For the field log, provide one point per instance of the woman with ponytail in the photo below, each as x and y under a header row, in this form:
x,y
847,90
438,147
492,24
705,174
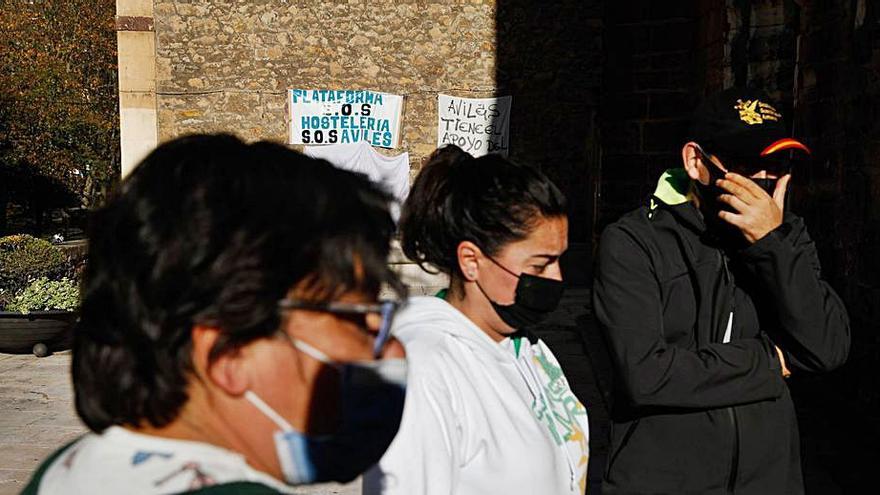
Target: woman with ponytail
x,y
488,409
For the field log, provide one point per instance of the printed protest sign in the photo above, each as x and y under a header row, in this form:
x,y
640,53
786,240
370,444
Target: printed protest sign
x,y
476,125
323,116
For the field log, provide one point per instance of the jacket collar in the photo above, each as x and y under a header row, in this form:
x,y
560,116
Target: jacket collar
x,y
674,187
675,193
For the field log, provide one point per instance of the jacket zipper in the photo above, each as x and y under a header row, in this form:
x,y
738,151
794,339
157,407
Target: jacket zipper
x,y
734,456
726,270
734,459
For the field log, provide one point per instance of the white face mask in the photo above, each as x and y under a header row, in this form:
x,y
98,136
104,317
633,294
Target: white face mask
x,y
372,396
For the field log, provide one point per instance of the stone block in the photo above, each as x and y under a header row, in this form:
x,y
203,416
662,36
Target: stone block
x,y
134,8
137,61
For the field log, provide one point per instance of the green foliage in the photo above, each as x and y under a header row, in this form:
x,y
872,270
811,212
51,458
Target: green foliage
x,y
43,295
58,96
24,258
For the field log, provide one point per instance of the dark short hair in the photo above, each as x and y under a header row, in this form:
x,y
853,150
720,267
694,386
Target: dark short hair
x,y
211,231
489,201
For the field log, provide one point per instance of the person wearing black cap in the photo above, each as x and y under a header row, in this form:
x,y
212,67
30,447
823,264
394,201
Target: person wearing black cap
x,y
707,296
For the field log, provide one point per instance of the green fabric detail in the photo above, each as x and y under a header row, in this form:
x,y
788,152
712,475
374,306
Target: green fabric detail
x,y
558,409
238,487
517,343
33,485
673,188
442,293
553,372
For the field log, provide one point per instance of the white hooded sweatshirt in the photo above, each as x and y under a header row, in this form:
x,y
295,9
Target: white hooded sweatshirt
x,y
481,416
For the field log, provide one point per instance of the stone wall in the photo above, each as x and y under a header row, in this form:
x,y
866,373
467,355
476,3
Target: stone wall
x,y
224,65
227,65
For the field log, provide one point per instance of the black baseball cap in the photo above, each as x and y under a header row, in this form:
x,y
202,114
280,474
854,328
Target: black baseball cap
x,y
741,124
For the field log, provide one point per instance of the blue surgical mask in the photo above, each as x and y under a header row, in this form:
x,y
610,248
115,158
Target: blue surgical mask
x,y
372,397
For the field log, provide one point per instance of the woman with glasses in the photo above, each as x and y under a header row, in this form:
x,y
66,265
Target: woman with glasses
x,y
230,338
488,409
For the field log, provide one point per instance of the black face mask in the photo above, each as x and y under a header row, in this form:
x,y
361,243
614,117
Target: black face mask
x,y
536,297
768,185
709,193
718,232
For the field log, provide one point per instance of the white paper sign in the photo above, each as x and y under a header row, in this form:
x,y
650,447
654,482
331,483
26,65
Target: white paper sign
x,y
324,116
476,125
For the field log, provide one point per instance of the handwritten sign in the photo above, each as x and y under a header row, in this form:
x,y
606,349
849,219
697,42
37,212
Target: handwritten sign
x,y
476,125
324,116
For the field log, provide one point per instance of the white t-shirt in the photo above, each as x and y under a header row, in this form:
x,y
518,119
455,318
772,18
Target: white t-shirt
x,y
122,461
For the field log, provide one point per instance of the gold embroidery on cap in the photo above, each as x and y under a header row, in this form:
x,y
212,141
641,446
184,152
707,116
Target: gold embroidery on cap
x,y
756,112
769,112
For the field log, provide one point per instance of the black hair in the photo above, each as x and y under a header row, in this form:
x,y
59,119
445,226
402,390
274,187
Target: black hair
x,y
211,231
489,201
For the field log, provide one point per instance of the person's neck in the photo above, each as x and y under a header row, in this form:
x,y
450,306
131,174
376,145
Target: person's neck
x,y
471,302
194,425
183,427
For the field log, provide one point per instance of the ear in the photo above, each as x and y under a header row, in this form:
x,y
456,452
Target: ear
x,y
468,255
227,372
690,158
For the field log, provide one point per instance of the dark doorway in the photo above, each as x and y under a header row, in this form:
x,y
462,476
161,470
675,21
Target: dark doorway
x,y
550,61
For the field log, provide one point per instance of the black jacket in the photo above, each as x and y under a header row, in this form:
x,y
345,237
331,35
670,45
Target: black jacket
x,y
696,410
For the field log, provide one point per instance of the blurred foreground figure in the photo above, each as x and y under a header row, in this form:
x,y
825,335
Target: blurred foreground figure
x,y
231,340
710,295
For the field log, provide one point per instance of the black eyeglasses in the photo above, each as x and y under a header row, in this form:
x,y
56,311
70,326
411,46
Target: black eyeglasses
x,y
385,309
